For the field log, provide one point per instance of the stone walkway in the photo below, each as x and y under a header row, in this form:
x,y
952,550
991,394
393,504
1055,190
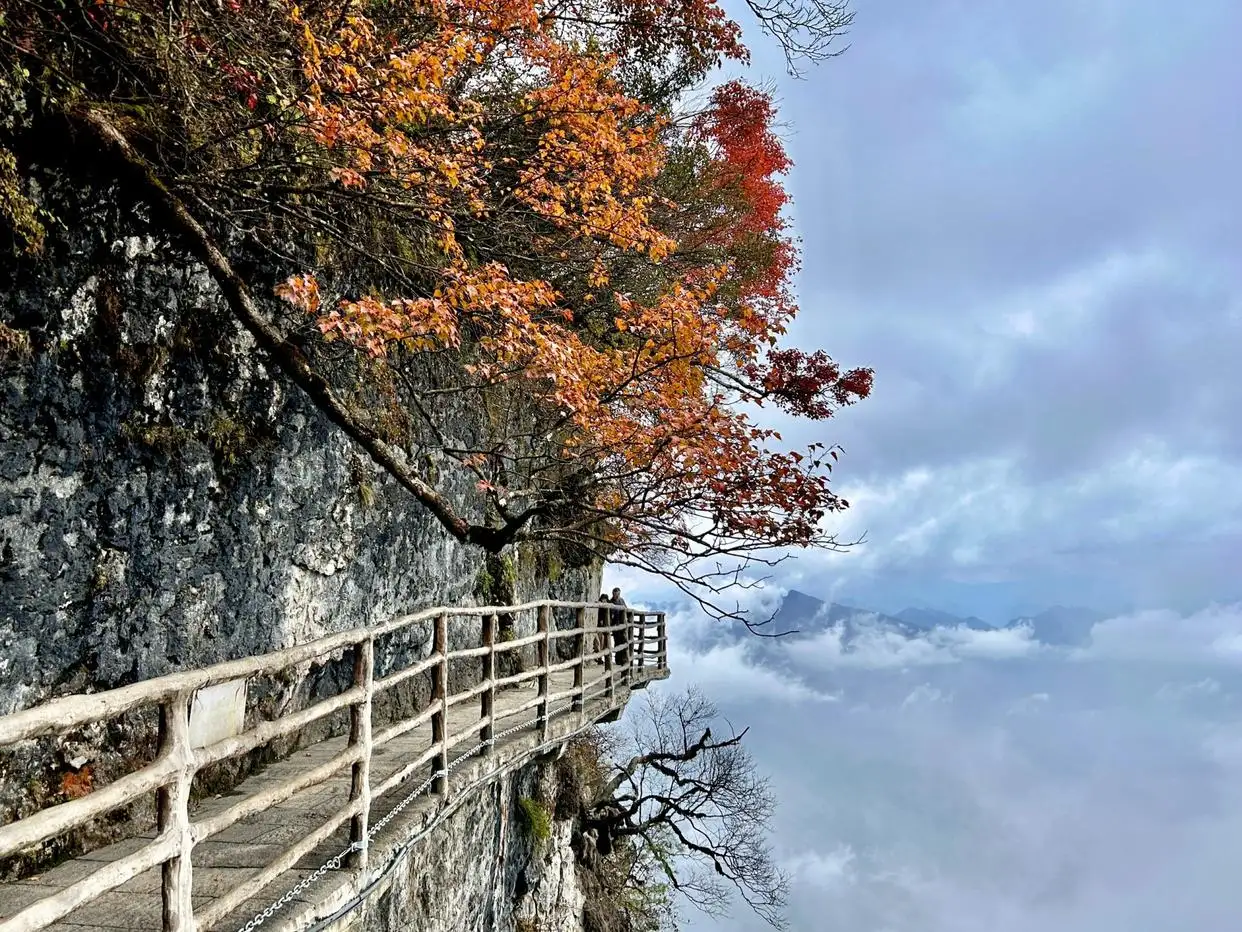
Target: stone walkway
x,y
228,859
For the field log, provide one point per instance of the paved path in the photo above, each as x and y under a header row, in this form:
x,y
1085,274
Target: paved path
x,y
226,860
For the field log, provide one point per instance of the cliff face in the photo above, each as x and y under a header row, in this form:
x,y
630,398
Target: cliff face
x,y
502,861
166,502
515,855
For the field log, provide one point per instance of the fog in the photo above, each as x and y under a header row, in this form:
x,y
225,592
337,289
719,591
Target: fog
x,y
969,781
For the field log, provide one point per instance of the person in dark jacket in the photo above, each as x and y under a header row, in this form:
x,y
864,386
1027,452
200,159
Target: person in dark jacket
x,y
602,619
621,636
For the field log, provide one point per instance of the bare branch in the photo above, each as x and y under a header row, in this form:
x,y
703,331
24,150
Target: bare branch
x,y
282,353
695,806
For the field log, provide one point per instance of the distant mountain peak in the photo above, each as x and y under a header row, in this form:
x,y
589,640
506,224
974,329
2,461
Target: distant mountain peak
x,y
796,597
806,614
928,618
1062,625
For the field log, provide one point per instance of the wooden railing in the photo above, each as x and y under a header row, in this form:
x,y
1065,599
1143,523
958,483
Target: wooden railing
x,y
171,773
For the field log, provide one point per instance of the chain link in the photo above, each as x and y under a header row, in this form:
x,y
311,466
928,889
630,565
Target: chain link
x,y
334,863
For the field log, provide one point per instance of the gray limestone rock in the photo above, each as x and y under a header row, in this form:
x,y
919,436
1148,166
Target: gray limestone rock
x,y
167,502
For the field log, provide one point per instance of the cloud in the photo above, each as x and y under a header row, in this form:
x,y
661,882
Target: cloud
x,y
1210,636
999,644
730,669
1206,689
1031,234
1223,746
880,647
977,780
925,694
971,801
1031,704
824,870
1152,525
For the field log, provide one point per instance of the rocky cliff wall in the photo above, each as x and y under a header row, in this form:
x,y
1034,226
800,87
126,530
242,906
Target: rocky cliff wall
x,y
167,502
502,862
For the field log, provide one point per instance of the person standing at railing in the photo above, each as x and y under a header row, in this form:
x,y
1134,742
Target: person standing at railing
x,y
600,641
622,636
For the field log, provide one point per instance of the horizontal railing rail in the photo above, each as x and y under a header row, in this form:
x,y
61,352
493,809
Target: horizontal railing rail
x,y
631,650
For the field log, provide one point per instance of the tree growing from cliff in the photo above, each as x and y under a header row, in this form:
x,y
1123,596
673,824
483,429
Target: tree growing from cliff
x,y
687,809
484,206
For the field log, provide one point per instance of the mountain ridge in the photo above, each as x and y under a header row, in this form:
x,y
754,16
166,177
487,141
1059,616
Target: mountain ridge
x,y
803,614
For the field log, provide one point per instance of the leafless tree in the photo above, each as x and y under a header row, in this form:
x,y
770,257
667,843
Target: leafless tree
x,y
692,806
805,29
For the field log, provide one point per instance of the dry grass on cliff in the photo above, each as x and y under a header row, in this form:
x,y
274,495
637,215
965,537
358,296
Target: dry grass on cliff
x,y
583,770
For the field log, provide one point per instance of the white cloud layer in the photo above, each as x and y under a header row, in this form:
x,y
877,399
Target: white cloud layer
x,y
884,648
727,668
1213,635
973,783
822,870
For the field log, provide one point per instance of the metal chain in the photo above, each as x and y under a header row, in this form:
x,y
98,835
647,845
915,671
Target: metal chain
x,y
334,863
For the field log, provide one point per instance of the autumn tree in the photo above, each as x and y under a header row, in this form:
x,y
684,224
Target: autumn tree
x,y
475,205
686,810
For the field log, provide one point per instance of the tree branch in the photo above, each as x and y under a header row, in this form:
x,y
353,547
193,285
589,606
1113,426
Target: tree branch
x,y
285,356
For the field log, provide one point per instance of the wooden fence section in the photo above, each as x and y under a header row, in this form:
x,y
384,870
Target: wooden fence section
x,y
638,654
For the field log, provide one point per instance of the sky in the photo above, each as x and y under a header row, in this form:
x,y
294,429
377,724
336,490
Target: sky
x,y
1027,218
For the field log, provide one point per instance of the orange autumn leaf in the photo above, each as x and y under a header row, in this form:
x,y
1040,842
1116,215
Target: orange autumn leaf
x,y
532,225
75,784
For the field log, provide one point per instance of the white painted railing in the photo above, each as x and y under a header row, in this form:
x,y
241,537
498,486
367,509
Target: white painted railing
x,y
170,775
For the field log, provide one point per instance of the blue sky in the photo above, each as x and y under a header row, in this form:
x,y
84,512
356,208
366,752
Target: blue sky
x,y
1026,216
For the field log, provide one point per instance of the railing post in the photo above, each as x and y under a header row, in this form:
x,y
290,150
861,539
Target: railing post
x,y
662,640
626,648
610,686
360,736
640,638
439,698
579,699
487,701
173,814
545,658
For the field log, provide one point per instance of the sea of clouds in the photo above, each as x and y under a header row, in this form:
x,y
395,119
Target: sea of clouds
x,y
980,781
